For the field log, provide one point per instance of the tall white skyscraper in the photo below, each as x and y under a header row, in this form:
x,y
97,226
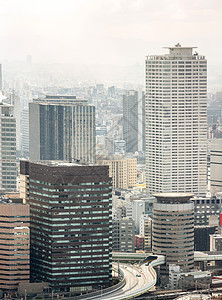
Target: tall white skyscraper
x,y
176,121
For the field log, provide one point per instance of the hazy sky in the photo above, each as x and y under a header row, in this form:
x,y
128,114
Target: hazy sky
x,y
107,31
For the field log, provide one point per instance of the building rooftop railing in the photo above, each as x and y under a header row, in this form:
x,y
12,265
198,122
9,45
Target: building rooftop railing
x,y
175,57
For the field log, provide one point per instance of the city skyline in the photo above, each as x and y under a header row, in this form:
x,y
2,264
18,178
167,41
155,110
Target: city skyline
x,y
110,148
107,32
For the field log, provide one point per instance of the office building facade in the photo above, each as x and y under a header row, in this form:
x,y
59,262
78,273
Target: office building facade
x,y
123,235
71,225
205,209
8,168
176,122
173,230
15,243
62,128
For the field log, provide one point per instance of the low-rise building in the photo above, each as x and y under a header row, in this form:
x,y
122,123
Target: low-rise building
x,y
188,280
139,242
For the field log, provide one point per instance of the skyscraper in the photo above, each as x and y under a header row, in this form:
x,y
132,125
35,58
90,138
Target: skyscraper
x,y
130,120
176,121
70,224
62,128
25,130
8,169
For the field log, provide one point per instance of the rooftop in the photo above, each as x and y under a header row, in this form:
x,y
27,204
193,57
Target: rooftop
x,y
173,197
60,99
178,52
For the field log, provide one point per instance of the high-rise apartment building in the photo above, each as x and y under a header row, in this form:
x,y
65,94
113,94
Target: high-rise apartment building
x,y
70,224
62,128
176,121
8,169
14,240
173,230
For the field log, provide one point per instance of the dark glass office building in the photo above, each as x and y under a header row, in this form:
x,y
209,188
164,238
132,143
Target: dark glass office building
x,y
62,128
70,220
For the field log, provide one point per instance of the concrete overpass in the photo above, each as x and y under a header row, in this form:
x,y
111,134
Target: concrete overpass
x,y
207,256
198,256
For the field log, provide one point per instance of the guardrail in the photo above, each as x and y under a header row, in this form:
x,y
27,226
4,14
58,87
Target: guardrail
x,y
159,261
103,292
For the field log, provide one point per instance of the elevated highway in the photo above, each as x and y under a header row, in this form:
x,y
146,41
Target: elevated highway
x,y
139,280
124,256
198,256
207,256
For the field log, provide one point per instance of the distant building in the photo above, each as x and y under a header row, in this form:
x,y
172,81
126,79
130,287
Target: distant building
x,y
130,120
109,145
173,230
13,98
176,122
120,147
122,170
71,229
8,168
25,130
216,167
14,240
141,121
0,77
123,235
62,128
